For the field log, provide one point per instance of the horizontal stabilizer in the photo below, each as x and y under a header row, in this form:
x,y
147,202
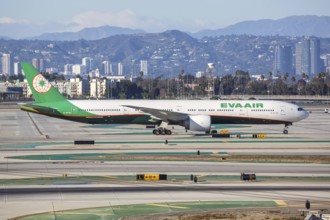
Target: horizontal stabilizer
x,y
40,109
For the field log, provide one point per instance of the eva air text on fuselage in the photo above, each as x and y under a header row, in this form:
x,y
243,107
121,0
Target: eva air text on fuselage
x,y
241,105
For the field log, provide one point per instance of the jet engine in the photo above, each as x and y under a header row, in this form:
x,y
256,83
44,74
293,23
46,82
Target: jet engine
x,y
198,123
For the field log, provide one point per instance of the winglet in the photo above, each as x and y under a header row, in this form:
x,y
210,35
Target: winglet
x,y
42,90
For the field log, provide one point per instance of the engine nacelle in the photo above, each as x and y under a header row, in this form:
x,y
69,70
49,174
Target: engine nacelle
x,y
198,123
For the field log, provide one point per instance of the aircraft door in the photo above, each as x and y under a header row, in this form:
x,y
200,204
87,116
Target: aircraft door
x,y
242,112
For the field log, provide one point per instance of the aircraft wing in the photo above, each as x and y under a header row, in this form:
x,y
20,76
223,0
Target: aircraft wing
x,y
163,115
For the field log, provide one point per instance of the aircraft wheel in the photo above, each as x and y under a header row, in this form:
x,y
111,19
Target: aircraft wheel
x,y
155,132
285,131
168,132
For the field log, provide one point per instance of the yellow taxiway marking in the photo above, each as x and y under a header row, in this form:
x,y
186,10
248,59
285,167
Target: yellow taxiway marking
x,y
169,206
111,177
281,203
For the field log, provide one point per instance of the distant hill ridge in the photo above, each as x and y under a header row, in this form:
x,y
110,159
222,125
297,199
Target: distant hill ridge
x,y
306,25
94,33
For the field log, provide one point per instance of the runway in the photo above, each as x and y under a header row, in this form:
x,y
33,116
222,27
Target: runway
x,y
26,135
44,169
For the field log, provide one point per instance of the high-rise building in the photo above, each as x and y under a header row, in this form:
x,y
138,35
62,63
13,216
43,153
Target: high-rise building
x,y
6,64
106,68
315,56
79,69
35,63
308,57
17,68
283,60
303,57
144,67
110,69
41,65
88,62
327,60
120,69
67,69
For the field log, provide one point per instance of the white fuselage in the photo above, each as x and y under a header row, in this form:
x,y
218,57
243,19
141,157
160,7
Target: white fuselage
x,y
251,109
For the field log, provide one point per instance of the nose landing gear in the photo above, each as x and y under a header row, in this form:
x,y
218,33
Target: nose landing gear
x,y
285,131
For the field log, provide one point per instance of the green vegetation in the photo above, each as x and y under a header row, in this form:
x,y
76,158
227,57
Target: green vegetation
x,y
118,212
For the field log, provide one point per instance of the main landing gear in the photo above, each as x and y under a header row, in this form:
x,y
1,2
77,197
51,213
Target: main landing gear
x,y
162,131
285,131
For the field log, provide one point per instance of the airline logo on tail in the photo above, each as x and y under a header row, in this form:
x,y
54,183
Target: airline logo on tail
x,y
40,84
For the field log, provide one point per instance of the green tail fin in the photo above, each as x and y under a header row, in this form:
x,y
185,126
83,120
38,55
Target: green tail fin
x,y
42,90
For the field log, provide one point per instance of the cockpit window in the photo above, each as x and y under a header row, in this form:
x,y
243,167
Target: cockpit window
x,y
300,109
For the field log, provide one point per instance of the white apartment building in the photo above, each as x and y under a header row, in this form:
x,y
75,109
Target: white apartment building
x,y
17,68
106,68
67,69
79,69
144,67
98,88
61,86
88,63
6,64
75,88
120,69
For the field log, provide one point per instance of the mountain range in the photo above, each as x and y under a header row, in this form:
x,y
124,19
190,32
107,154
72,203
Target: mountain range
x,y
95,33
167,53
294,26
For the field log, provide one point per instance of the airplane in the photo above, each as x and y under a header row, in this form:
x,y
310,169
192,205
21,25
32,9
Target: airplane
x,y
194,115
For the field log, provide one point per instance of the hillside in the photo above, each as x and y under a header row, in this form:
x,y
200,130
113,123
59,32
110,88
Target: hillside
x,y
290,26
88,34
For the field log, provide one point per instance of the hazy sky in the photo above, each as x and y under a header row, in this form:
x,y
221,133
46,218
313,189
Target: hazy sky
x,y
149,15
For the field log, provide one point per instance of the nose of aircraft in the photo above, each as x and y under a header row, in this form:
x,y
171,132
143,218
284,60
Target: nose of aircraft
x,y
304,114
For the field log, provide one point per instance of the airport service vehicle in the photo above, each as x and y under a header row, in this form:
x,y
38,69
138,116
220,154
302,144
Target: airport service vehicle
x,y
194,115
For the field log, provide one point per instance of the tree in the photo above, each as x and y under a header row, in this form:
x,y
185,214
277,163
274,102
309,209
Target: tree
x,y
285,77
301,87
241,79
270,75
257,88
304,76
228,84
279,87
271,82
317,86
